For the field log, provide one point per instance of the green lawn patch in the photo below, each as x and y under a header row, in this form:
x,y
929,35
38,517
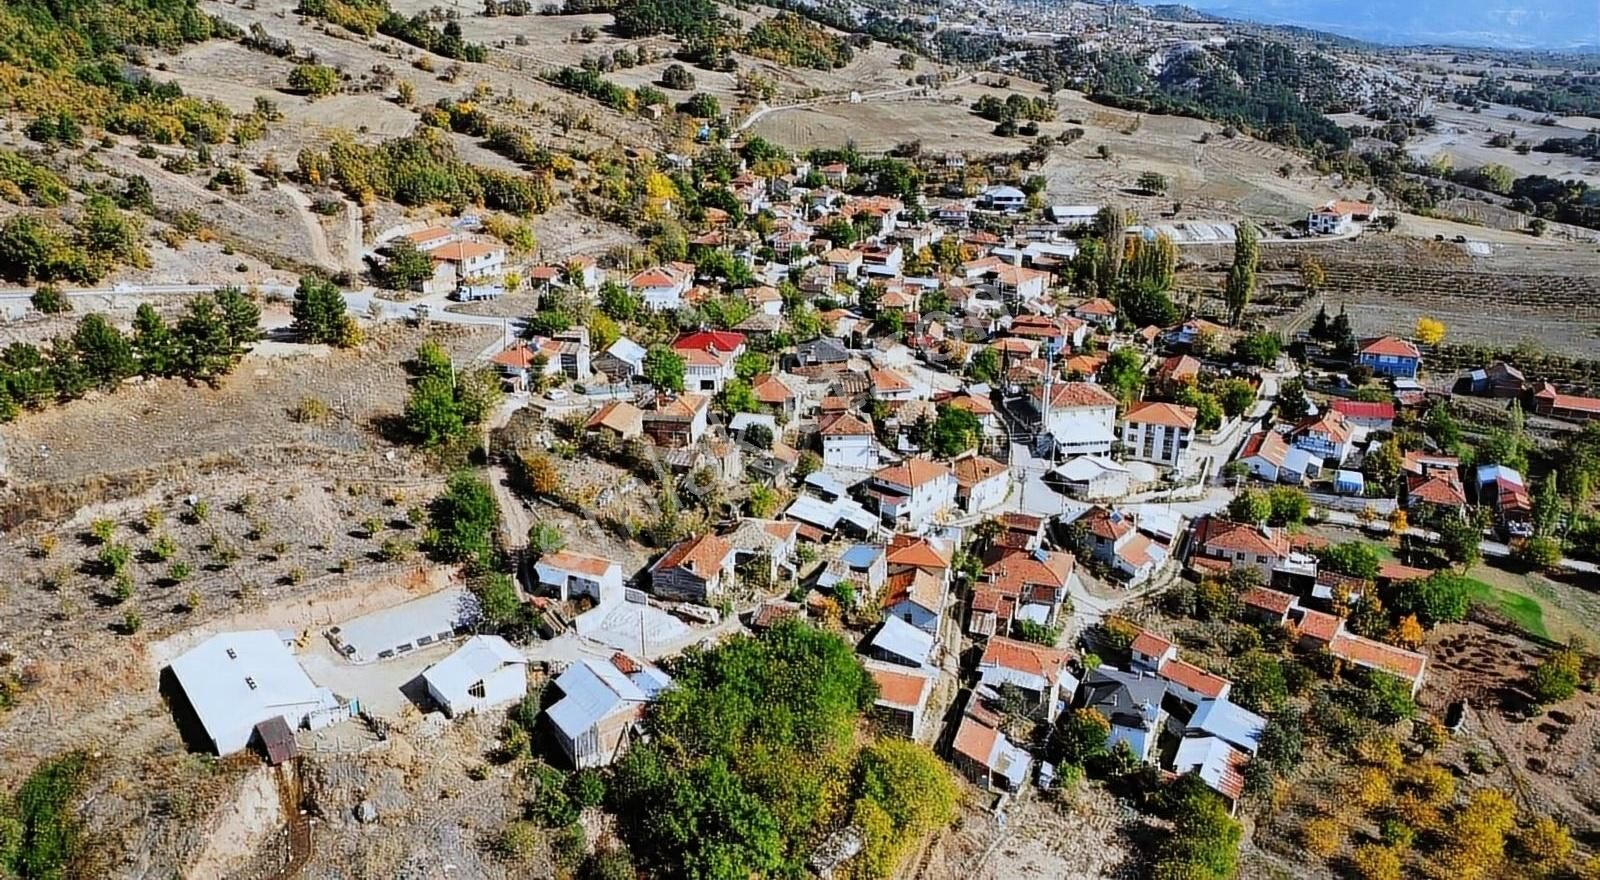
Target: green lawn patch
x,y
1524,611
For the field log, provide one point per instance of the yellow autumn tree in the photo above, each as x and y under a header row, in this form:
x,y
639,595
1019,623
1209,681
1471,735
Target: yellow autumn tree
x,y
1398,522
1322,836
1430,331
1408,632
660,195
1475,838
1375,861
1369,788
1543,846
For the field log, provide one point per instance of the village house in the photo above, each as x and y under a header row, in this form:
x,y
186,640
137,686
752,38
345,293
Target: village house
x,y
1325,631
1092,478
1265,548
1547,401
1338,217
235,683
1131,704
913,492
601,705
773,541
983,753
696,570
1265,453
848,442
1099,311
663,287
483,673
903,693
1390,356
1006,199
903,644
1033,583
1116,541
1038,672
1327,436
1176,372
1435,492
1371,415
1080,418
890,385
622,361
916,596
618,420
1159,433
677,421
981,483
1219,765
570,574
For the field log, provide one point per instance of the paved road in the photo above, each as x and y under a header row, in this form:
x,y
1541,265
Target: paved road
x,y
1496,549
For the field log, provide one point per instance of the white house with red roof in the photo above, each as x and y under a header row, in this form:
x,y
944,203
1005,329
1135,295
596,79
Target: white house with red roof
x,y
1329,436
913,492
1337,217
1160,433
1039,672
1080,417
847,442
663,287
569,573
1374,415
981,483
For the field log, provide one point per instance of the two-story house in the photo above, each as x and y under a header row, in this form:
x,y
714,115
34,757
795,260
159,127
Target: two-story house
x,y
696,569
847,442
663,287
1080,418
677,421
981,483
1159,433
1390,356
1327,436
913,492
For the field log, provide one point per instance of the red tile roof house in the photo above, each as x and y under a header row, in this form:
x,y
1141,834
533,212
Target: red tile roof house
x,y
913,492
1265,453
1318,630
1035,581
677,421
1149,651
1328,436
694,570
1547,401
916,596
903,694
981,483
1160,433
1266,605
1245,545
1177,371
1192,684
569,573
847,441
1039,672
1440,490
983,754
1390,356
663,287
1374,416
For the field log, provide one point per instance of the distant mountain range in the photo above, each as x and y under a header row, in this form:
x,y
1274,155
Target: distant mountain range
x,y
1505,24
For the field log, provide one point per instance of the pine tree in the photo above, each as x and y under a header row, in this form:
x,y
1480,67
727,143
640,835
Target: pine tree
x,y
205,350
320,315
103,351
241,316
1319,325
67,372
152,343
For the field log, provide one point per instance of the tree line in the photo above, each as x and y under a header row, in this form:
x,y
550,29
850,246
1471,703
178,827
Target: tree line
x,y
203,345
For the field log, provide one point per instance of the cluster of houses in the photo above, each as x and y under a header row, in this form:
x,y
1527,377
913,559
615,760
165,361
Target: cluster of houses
x,y
878,517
